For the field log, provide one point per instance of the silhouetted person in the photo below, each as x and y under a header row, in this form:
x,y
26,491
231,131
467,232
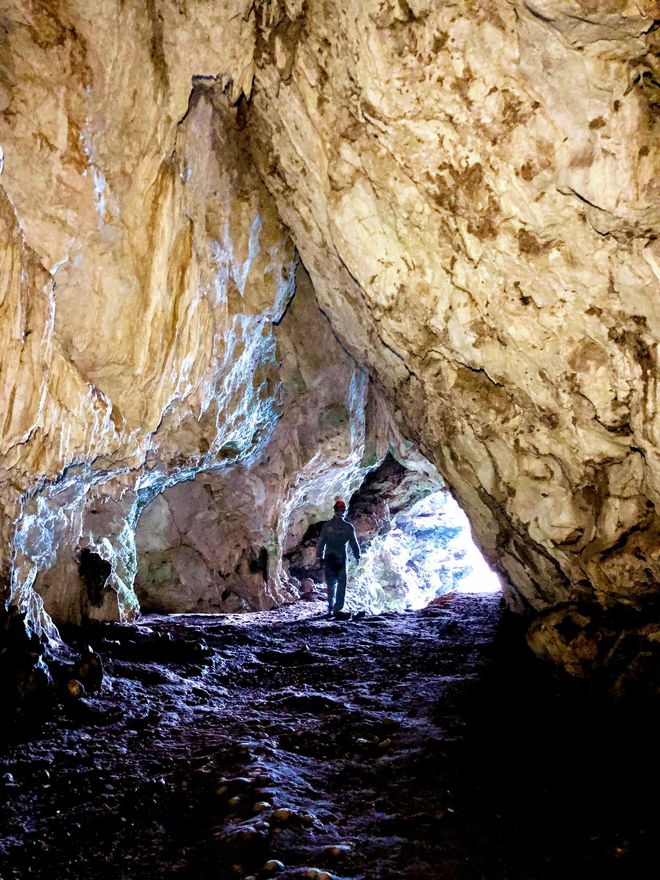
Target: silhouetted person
x,y
331,551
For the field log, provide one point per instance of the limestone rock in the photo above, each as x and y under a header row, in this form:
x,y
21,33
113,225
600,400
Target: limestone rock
x,y
389,489
143,267
618,650
216,543
386,490
473,190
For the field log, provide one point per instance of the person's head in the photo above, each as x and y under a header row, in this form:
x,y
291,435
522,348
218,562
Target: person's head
x,y
340,507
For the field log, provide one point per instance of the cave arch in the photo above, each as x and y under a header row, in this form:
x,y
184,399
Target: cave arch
x,y
483,250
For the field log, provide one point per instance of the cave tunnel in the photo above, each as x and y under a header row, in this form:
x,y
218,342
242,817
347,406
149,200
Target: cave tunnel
x,y
260,255
416,548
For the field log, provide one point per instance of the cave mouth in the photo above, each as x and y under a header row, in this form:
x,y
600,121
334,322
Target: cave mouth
x,y
427,553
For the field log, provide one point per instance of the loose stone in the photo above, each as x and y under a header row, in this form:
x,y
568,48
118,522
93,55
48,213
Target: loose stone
x,y
75,689
260,806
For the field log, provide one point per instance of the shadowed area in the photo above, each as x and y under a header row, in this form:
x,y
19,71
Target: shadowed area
x,y
416,745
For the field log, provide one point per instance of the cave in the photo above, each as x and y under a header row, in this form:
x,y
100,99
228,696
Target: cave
x,y
258,256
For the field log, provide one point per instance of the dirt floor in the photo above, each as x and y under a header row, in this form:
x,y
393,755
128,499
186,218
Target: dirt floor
x,y
419,745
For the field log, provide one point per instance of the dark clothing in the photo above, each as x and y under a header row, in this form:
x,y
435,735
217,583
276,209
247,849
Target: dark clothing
x,y
335,581
335,535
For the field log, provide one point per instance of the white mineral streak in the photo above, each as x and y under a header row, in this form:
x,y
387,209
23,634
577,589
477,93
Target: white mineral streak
x,y
145,359
216,543
473,190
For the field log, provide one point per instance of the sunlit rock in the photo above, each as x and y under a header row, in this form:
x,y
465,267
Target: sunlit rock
x,y
473,190
401,479
216,543
427,552
389,489
143,268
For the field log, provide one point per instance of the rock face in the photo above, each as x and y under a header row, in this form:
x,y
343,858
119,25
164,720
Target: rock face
x,y
386,490
471,187
143,267
216,543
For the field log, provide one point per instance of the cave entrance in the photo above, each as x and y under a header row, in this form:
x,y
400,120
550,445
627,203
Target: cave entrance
x,y
199,553
427,553
416,543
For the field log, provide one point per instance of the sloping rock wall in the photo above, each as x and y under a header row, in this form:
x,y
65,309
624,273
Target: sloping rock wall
x,y
473,189
142,270
216,543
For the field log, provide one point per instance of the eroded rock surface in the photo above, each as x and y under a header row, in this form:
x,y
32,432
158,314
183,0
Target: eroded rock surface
x,y
473,189
146,270
144,267
386,490
216,543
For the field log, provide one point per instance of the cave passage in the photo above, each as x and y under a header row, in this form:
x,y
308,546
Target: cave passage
x,y
427,553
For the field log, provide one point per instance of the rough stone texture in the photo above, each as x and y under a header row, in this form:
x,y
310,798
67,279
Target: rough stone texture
x,y
472,188
617,649
216,543
385,491
396,747
142,268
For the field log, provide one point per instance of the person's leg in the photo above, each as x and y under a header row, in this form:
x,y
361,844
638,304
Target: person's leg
x,y
341,590
331,584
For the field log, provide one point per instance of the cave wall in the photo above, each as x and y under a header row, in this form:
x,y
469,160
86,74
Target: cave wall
x,y
143,266
473,189
216,543
145,275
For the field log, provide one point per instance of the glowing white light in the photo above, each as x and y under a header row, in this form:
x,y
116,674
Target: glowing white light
x,y
100,185
99,191
428,552
58,265
240,273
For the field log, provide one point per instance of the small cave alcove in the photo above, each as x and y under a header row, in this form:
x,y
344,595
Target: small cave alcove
x,y
94,572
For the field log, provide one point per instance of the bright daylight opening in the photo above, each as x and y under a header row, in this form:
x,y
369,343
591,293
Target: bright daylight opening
x,y
428,552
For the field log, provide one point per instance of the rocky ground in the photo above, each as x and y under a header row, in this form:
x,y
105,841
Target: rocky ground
x,y
418,745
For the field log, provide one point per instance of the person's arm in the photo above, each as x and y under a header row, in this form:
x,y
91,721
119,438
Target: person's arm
x,y
355,547
323,540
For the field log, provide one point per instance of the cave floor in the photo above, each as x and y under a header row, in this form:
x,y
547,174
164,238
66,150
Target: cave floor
x,y
418,745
